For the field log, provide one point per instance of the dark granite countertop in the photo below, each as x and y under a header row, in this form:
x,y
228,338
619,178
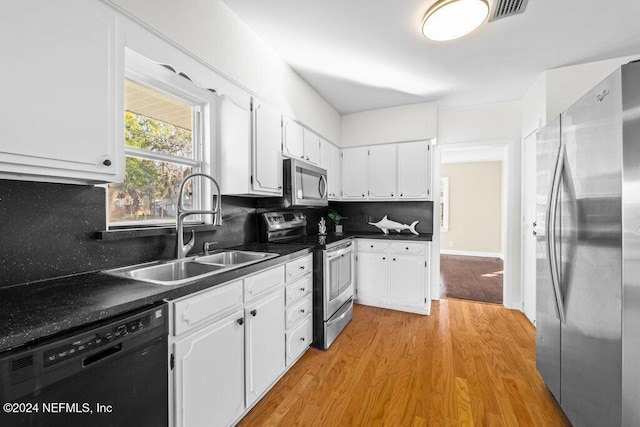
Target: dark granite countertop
x,y
37,310
391,236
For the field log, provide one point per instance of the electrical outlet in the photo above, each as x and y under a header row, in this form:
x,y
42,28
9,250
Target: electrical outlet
x,y
450,242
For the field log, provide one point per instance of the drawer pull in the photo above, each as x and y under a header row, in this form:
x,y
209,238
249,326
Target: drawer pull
x,y
371,245
240,321
394,259
302,339
254,313
301,267
302,289
302,310
383,258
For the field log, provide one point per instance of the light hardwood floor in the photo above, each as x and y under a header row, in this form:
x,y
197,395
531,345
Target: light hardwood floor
x,y
465,364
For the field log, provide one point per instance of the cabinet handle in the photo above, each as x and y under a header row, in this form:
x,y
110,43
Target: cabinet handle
x,y
391,194
371,245
302,157
407,248
302,339
303,289
279,187
240,321
254,312
535,233
307,157
401,194
302,310
107,162
362,194
301,267
383,258
394,259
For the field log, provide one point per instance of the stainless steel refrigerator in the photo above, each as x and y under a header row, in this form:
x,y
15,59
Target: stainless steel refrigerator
x,y
588,254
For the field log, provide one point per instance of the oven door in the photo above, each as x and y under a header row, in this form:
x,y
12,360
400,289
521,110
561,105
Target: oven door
x,y
338,277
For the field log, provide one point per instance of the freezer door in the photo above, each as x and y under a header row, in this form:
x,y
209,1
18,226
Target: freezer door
x,y
548,323
591,257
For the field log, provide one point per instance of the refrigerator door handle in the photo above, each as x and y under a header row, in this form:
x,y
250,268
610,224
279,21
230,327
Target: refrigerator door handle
x,y
552,253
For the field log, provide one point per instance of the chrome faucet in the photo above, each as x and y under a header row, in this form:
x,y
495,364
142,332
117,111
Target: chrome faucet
x,y
183,249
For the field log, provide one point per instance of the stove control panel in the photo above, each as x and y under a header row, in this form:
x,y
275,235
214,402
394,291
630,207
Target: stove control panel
x,y
290,219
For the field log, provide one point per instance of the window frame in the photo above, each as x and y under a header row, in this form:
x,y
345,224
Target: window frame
x,y
203,101
444,201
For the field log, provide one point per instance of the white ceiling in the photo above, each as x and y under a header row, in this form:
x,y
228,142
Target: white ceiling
x,y
368,54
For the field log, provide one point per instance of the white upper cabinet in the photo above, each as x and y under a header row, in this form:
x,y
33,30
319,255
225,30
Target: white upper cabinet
x,y
414,171
267,139
382,172
311,147
355,173
62,91
250,157
292,139
330,160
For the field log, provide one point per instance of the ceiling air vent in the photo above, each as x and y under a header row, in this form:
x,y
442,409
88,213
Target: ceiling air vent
x,y
505,8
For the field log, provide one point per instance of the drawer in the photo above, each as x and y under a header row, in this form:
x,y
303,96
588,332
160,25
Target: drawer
x,y
408,248
299,288
299,311
300,266
372,246
298,340
262,282
196,309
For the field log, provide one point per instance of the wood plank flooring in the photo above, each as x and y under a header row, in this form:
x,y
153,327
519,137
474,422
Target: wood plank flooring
x,y
467,364
471,278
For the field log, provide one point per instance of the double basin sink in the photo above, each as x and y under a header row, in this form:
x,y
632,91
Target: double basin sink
x,y
180,271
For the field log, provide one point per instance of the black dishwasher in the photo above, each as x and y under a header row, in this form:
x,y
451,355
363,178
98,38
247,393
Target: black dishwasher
x,y
112,373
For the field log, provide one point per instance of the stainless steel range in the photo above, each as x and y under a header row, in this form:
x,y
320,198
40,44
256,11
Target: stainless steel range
x,y
333,272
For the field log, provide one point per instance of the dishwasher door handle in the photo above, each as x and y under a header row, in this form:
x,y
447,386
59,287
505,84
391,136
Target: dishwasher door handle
x,y
102,355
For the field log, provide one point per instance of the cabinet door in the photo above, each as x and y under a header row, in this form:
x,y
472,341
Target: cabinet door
x,y
414,170
292,139
382,172
407,275
372,276
355,173
235,146
311,147
335,181
62,90
267,157
209,374
265,341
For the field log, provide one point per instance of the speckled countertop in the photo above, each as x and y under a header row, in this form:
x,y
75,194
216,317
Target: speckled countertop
x,y
391,236
37,310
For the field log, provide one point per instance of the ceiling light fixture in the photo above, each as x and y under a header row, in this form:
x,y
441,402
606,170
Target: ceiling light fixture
x,y
450,19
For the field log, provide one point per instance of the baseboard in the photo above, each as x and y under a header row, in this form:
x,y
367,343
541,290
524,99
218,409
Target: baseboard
x,y
469,253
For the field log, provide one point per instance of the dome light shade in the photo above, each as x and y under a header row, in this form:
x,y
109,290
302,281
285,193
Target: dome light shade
x,y
450,19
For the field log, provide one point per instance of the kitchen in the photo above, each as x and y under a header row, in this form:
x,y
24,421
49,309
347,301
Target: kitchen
x,y
55,225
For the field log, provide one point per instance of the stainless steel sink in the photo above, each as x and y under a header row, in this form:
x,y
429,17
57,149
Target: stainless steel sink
x,y
181,271
229,258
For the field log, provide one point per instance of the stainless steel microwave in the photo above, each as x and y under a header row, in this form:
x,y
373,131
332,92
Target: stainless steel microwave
x,y
304,184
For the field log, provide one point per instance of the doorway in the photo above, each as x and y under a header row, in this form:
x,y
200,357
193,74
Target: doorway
x,y
471,232
473,258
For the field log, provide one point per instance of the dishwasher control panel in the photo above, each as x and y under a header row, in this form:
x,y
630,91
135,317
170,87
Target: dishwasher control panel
x,y
88,342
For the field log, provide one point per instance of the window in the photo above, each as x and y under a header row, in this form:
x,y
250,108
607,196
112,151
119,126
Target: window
x,y
444,203
166,129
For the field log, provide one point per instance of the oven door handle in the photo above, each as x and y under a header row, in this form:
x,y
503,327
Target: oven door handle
x,y
342,313
336,252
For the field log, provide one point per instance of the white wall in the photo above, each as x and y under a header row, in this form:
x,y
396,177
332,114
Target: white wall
x,y
211,31
406,123
534,106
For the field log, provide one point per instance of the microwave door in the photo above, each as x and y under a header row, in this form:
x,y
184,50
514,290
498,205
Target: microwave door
x,y
311,185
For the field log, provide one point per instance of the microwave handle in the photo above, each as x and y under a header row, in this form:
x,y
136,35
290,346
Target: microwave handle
x,y
323,193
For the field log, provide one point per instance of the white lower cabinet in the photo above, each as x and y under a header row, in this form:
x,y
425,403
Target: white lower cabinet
x,y
265,351
393,274
231,343
209,374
